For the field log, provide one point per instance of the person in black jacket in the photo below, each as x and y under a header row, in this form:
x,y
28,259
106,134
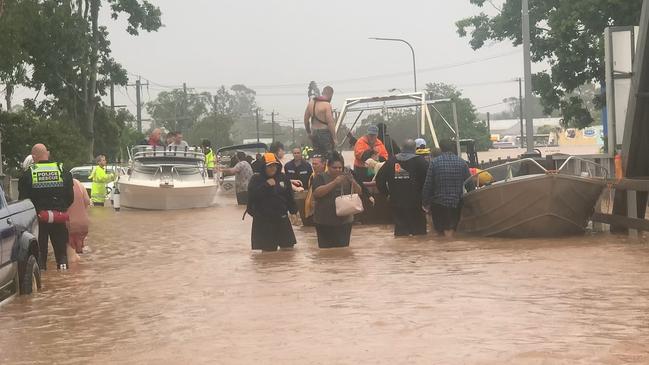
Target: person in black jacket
x,y
402,179
50,188
390,144
270,199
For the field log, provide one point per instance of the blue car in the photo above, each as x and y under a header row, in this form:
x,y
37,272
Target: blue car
x,y
19,271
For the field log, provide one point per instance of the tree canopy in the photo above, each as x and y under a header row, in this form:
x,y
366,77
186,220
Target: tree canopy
x,y
67,52
567,34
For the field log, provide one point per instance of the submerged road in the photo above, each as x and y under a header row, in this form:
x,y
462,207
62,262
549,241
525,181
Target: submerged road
x,y
184,288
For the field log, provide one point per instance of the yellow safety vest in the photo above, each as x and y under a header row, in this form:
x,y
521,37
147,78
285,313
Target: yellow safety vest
x,y
209,160
99,179
47,175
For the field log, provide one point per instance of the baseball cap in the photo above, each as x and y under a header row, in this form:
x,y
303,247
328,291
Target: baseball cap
x,y
373,130
420,142
270,159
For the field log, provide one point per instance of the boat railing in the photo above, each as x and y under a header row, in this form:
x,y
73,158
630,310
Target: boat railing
x,y
573,165
578,166
159,171
505,172
141,152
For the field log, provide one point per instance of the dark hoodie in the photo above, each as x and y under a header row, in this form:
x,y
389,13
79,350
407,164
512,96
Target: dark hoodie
x,y
402,179
393,148
270,202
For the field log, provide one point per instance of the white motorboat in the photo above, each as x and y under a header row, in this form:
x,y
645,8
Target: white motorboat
x,y
163,179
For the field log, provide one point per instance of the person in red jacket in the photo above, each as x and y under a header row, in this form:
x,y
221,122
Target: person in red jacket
x,y
368,146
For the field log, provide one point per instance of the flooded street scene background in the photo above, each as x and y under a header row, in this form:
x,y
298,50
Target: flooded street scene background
x,y
175,287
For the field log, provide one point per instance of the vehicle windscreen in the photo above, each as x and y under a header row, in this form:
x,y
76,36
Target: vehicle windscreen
x,y
82,175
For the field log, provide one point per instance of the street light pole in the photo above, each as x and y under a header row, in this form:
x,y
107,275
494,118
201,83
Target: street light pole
x,y
414,65
527,63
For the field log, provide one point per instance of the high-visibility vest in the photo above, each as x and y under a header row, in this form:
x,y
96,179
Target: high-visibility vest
x,y
99,179
209,160
47,175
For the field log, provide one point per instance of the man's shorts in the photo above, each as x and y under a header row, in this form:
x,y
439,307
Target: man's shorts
x,y
322,142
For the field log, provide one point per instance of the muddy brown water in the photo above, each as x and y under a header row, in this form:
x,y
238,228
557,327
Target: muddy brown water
x,y
184,288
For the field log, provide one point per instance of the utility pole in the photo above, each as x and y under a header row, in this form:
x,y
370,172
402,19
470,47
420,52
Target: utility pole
x,y
457,130
272,124
520,106
293,120
489,124
185,112
527,63
257,120
138,101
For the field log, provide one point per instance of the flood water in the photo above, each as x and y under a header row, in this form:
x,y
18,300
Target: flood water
x,y
184,288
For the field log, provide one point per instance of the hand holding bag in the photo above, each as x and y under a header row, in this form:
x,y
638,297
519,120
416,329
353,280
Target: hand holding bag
x,y
347,205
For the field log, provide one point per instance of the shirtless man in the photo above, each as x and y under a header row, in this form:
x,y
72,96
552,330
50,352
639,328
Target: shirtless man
x,y
320,124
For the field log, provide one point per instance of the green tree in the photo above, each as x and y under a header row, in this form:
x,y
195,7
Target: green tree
x,y
214,127
179,110
469,125
68,51
565,34
22,130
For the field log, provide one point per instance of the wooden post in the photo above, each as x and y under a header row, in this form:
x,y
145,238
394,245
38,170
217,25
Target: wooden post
x,y
632,210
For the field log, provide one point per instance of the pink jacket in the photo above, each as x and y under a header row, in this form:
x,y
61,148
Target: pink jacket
x,y
78,211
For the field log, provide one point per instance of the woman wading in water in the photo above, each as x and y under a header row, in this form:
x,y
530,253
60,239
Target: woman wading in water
x,y
270,200
333,231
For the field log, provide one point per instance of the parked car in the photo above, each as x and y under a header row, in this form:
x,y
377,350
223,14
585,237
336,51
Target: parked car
x,y
19,271
82,173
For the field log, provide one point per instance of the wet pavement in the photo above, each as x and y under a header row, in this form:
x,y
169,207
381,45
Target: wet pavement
x,y
184,288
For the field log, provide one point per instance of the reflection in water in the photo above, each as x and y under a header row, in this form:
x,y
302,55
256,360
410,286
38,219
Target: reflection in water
x,y
184,287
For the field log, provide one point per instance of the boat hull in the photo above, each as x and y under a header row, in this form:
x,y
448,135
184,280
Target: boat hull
x,y
154,197
549,205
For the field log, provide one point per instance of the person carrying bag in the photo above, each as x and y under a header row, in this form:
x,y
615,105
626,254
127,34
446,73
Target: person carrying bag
x,y
337,199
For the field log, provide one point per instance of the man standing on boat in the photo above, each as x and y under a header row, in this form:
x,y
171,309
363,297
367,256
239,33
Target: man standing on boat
x,y
444,188
320,124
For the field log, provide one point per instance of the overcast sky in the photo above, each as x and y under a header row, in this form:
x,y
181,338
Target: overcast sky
x,y
268,44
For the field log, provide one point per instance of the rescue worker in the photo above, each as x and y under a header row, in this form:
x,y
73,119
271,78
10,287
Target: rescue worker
x,y
210,158
298,170
422,149
100,178
368,146
51,190
402,179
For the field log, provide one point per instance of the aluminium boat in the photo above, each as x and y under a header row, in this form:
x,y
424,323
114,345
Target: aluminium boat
x,y
523,199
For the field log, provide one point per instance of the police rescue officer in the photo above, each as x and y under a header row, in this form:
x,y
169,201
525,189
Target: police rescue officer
x,y
210,158
50,189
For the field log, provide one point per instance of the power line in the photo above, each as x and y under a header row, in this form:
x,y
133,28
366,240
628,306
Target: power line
x,y
339,81
490,105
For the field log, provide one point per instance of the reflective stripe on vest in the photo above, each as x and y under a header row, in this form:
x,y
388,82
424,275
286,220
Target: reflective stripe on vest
x,y
47,175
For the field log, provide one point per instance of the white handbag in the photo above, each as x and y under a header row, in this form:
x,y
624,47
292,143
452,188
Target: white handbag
x,y
347,205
